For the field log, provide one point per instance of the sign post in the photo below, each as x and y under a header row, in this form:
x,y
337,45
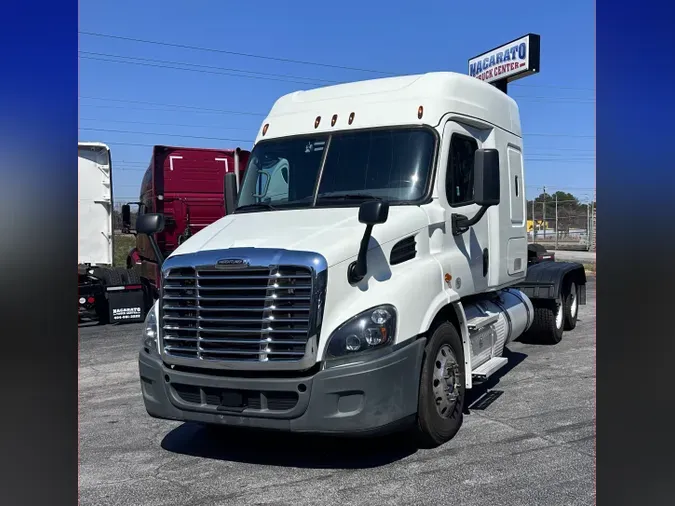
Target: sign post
x,y
509,62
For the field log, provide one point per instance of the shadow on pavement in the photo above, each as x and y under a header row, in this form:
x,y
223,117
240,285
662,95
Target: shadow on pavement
x,y
285,449
474,395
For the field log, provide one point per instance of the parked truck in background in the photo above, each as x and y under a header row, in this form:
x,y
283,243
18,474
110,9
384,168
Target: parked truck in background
x,y
186,185
381,285
98,279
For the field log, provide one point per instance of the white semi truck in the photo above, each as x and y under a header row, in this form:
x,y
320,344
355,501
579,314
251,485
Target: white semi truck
x,y
377,288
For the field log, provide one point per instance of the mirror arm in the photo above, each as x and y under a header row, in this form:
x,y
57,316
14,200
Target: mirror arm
x,y
461,223
155,248
357,270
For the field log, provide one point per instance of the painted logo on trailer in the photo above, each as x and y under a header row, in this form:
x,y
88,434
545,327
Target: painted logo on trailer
x,y
232,263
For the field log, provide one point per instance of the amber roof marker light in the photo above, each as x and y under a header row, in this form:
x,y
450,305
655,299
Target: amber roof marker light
x,y
317,121
351,118
333,120
264,131
420,112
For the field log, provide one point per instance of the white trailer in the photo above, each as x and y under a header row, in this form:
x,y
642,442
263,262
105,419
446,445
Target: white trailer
x,y
95,205
385,281
105,293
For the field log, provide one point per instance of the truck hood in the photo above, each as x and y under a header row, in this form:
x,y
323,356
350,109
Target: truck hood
x,y
335,233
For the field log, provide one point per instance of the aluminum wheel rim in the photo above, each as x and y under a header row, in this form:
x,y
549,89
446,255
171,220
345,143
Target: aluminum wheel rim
x,y
574,306
445,382
559,316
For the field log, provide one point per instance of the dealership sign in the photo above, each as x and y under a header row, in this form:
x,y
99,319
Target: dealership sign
x,y
517,59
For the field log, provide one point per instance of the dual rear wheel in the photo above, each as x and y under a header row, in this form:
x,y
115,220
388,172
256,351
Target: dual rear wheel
x,y
551,318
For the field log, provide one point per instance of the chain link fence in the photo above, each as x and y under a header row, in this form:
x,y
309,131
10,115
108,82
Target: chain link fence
x,y
561,224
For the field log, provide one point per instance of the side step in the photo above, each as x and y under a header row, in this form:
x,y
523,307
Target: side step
x,y
486,370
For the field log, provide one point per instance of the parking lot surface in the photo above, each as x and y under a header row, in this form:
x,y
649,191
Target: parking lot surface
x,y
534,445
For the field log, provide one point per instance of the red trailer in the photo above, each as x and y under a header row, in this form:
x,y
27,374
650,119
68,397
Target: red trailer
x,y
186,185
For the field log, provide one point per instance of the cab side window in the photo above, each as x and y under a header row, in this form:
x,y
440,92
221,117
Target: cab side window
x,y
459,176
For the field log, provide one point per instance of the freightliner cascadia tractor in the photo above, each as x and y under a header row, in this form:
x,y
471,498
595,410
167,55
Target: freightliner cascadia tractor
x,y
378,287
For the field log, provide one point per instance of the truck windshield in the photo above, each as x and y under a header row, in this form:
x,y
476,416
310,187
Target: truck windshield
x,y
391,164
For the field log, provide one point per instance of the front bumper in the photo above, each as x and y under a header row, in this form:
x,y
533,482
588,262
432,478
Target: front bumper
x,y
374,396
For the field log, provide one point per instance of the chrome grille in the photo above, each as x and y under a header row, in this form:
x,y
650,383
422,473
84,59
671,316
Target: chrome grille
x,y
252,314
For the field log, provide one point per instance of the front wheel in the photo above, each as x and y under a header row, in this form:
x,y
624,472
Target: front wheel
x,y
442,388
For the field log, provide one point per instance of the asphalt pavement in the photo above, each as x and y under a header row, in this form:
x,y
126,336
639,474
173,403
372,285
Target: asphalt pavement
x,y
534,445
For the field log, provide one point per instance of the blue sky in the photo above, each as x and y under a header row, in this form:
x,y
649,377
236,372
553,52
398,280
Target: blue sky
x,y
557,106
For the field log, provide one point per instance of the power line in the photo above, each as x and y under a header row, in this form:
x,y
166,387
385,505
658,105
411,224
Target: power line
x,y
224,71
224,51
173,67
561,160
227,69
558,135
144,145
138,144
165,134
262,114
155,109
160,104
216,138
153,123
177,106
220,111
286,60
556,100
579,158
218,127
202,69
147,62
559,188
552,86
562,149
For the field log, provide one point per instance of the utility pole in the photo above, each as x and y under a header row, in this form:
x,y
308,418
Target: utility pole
x,y
593,221
543,219
588,226
556,222
534,223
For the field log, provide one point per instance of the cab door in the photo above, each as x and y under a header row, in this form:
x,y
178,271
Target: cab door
x,y
465,256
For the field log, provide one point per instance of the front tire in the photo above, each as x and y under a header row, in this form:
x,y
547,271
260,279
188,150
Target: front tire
x,y
442,388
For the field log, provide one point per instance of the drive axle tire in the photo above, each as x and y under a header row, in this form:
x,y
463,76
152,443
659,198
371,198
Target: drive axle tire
x,y
109,276
571,306
442,388
547,325
129,276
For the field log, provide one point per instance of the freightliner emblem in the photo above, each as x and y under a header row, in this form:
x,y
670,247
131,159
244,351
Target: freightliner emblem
x,y
231,264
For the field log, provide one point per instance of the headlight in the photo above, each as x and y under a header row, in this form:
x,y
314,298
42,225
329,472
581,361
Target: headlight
x,y
370,330
150,330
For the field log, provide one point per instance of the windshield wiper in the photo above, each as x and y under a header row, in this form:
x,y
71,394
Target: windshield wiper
x,y
258,205
347,196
